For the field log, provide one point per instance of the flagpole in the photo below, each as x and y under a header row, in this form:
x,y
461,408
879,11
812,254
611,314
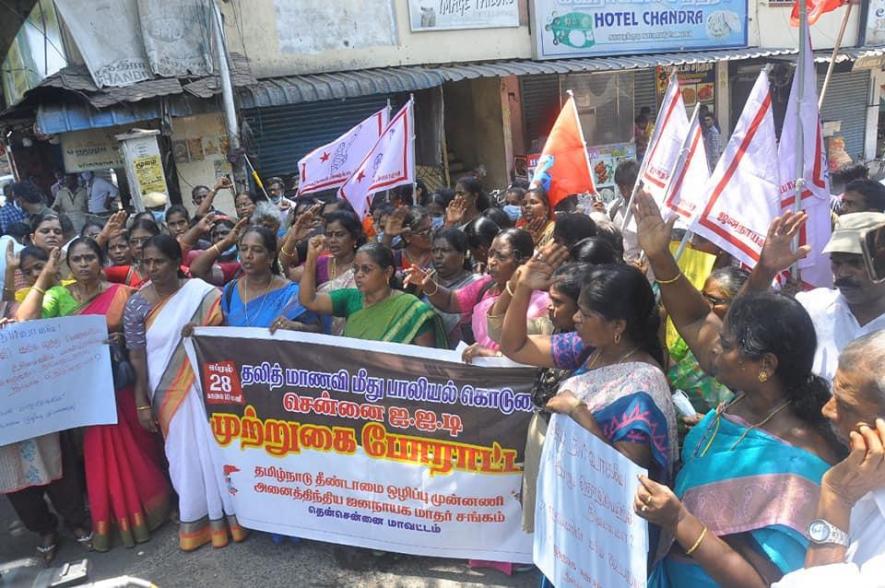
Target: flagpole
x,y
412,140
581,133
255,175
677,171
800,132
832,64
655,135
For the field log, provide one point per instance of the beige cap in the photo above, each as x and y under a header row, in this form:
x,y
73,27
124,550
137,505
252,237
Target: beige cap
x,y
154,199
846,236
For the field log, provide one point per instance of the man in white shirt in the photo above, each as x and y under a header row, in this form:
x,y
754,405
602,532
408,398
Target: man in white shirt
x,y
855,308
626,175
101,192
848,534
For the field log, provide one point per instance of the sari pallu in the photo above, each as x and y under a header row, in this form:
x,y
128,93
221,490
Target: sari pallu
x,y
760,486
205,508
333,325
127,487
399,318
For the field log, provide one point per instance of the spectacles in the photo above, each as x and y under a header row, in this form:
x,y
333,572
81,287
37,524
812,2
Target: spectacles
x,y
713,300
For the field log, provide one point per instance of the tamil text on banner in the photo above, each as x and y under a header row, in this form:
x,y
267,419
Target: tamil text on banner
x,y
662,155
329,166
805,118
389,163
582,28
55,374
586,533
396,447
563,168
742,196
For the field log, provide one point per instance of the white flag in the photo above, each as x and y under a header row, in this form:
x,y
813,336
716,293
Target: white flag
x,y
662,156
685,194
815,269
742,196
390,163
329,166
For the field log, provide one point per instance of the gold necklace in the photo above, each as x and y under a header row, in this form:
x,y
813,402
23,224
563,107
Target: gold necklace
x,y
598,354
721,410
247,300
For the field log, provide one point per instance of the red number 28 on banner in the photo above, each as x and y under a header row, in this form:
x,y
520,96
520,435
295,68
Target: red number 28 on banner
x,y
222,383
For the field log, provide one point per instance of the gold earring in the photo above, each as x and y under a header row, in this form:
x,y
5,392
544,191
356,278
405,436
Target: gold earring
x,y
763,376
617,338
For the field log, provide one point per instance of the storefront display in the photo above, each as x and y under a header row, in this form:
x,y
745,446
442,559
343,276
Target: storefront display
x,y
697,81
604,160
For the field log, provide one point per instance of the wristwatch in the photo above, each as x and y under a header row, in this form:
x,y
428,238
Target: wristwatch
x,y
821,532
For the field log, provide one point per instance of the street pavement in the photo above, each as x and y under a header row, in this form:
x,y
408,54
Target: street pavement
x,y
258,562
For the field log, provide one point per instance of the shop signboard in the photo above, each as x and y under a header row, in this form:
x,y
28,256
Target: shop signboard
x,y
441,15
144,167
696,80
95,149
875,34
589,28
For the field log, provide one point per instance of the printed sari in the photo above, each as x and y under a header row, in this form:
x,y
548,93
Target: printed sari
x,y
205,507
759,485
263,310
345,279
399,318
125,479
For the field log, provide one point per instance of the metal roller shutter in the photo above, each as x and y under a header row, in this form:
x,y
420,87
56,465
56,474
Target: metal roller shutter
x,y
284,134
644,93
846,101
540,105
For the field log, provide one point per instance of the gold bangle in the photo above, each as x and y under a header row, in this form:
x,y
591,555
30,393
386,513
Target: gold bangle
x,y
216,248
508,290
435,291
698,542
287,253
673,281
143,407
39,289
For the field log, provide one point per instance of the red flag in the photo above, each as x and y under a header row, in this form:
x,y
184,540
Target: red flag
x,y
816,8
563,168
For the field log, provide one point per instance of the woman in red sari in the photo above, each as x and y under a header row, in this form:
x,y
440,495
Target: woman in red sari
x,y
125,479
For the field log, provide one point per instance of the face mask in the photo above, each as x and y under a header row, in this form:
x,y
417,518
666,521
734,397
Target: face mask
x,y
513,211
437,222
159,216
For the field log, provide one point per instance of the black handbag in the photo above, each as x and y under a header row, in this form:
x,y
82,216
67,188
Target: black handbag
x,y
121,368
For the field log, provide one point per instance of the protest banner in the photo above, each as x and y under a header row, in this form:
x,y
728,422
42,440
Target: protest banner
x,y
388,164
329,166
586,533
662,155
742,197
55,374
396,447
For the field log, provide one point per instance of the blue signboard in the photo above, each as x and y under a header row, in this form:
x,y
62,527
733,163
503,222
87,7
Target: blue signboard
x,y
588,28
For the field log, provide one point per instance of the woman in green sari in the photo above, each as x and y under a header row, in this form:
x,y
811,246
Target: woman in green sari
x,y
374,310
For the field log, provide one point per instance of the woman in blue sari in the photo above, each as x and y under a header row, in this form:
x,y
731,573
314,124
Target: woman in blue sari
x,y
751,471
261,297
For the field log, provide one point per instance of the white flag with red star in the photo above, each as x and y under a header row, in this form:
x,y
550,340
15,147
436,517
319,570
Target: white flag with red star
x,y
662,155
329,166
390,163
743,194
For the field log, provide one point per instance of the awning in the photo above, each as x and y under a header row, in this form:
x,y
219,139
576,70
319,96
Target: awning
x,y
280,91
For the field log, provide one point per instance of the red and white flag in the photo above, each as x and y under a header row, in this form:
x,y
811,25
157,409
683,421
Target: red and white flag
x,y
389,163
742,196
662,155
329,166
816,9
814,269
685,194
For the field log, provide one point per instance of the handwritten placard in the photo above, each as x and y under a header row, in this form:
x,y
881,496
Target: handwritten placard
x,y
55,374
586,533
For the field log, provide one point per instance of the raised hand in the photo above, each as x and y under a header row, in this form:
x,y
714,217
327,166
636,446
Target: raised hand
x,y
52,266
654,234
206,222
237,232
535,226
305,223
777,252
222,183
113,226
416,276
13,261
395,224
315,246
456,210
536,274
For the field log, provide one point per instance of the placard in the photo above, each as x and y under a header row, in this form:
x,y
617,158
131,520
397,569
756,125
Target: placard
x,y
586,533
376,445
587,28
55,374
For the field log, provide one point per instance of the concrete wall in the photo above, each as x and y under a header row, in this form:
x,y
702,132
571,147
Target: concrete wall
x,y
280,37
